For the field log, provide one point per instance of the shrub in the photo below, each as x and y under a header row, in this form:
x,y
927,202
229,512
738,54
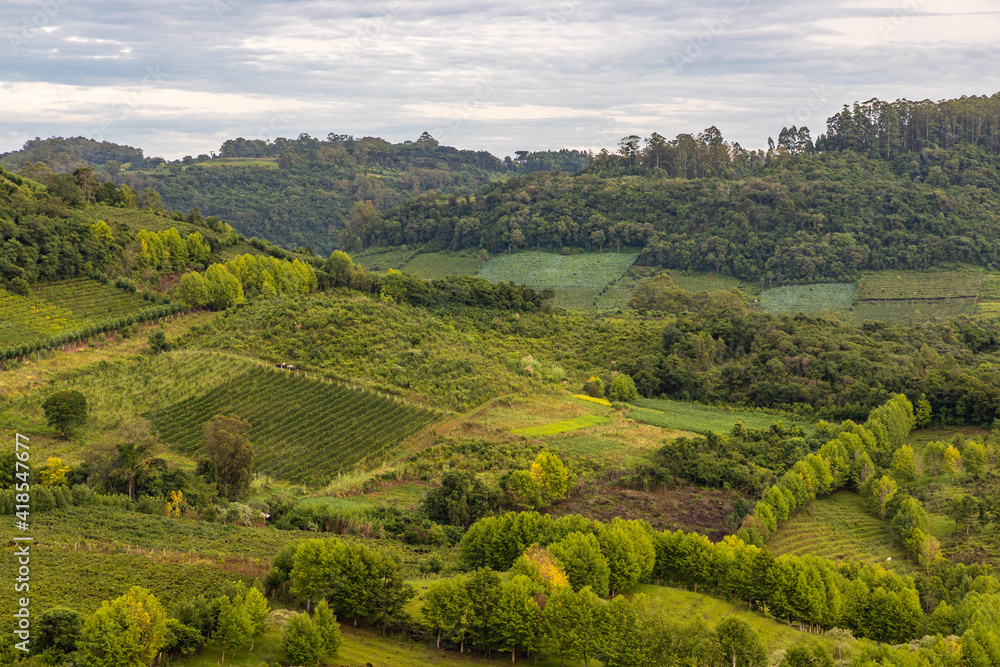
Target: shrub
x,y
594,387
126,284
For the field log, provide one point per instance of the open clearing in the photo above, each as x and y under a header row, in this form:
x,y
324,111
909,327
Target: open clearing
x,y
437,265
808,298
703,418
577,279
836,525
562,426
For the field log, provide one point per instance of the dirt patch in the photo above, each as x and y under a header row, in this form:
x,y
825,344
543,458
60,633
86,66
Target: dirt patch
x,y
685,508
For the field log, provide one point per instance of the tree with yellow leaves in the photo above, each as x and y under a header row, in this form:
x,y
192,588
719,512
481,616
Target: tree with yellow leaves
x,y
951,459
551,477
539,565
54,472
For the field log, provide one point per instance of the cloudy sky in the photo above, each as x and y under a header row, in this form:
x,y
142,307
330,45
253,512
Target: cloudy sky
x,y
178,77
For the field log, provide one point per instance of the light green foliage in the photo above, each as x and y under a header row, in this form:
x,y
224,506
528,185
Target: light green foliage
x,y
257,609
224,289
903,465
571,624
234,629
585,565
629,549
660,294
880,494
194,290
329,629
126,632
551,477
974,458
934,457
301,641
554,428
801,655
740,643
516,616
447,609
360,583
622,388
922,411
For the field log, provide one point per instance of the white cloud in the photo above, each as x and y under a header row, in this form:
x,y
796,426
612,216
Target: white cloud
x,y
492,75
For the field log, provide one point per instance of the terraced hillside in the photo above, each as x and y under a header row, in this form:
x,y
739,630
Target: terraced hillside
x,y
304,430
839,527
60,312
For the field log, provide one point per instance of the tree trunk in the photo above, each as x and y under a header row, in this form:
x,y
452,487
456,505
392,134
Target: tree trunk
x,y
439,639
733,652
512,656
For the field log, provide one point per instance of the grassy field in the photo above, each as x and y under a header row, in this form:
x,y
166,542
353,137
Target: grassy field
x,y
554,428
808,298
840,525
436,265
577,279
67,307
702,418
684,607
383,259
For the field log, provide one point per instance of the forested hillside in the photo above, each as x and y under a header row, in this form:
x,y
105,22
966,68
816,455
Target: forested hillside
x,y
899,185
295,192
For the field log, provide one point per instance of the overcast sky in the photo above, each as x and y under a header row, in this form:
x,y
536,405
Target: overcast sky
x,y
177,77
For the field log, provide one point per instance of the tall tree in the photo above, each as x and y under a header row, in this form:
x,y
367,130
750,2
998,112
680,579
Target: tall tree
x,y
227,444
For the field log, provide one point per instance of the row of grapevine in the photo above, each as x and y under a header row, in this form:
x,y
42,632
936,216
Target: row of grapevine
x,y
85,332
304,430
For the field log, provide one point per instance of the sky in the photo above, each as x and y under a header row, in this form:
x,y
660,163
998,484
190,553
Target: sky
x,y
179,77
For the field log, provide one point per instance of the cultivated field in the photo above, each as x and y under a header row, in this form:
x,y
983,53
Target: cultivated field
x,y
911,285
555,428
59,312
808,298
306,430
383,259
839,525
577,279
702,418
436,265
912,312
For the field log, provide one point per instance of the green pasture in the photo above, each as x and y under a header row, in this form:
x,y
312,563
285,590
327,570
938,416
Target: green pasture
x,y
437,265
583,421
702,418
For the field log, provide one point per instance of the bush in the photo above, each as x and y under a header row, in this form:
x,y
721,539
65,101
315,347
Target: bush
x,y
126,284
302,642
622,388
594,387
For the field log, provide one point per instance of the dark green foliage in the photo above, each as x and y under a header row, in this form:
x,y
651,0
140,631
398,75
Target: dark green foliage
x,y
65,410
227,444
182,640
461,500
57,628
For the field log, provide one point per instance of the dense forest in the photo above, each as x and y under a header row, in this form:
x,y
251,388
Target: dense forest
x,y
798,212
301,192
